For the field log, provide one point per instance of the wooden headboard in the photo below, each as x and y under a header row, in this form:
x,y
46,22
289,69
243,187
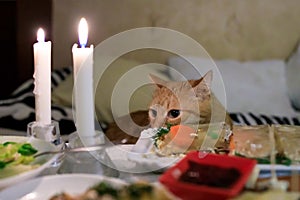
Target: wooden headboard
x,y
242,30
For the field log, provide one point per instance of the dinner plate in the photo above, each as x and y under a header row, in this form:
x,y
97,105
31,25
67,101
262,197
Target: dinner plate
x,y
44,161
281,170
122,159
43,188
264,167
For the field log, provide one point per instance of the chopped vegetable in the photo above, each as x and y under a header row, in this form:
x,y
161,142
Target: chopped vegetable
x,y
161,132
103,188
280,159
138,190
27,150
181,135
13,153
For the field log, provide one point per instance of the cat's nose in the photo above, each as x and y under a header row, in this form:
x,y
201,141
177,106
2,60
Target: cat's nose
x,y
158,123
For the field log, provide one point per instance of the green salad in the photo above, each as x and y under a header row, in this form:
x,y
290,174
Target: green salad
x,y
15,157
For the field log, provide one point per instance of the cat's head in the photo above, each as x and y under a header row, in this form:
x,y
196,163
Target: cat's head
x,y
180,102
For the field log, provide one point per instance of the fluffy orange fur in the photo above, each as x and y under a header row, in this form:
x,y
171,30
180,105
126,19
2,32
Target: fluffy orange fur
x,y
186,102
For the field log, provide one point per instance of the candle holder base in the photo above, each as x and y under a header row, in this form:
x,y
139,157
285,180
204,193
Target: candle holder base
x,y
50,133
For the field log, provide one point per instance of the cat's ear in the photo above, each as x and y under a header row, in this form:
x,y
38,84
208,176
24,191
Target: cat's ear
x,y
158,81
206,80
202,86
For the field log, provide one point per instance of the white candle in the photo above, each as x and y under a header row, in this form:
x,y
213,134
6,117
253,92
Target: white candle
x,y
83,83
42,79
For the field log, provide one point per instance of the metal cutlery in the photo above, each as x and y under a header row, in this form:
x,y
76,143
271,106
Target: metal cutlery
x,y
70,150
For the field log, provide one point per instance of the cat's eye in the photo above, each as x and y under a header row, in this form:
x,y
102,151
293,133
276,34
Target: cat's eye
x,y
173,113
153,113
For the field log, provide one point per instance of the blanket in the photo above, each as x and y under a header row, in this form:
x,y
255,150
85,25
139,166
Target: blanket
x,y
19,109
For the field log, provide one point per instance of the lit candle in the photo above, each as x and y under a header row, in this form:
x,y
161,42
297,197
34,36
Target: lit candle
x,y
83,83
42,79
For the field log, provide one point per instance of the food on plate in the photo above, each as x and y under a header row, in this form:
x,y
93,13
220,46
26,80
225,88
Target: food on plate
x,y
287,141
269,194
210,175
103,190
15,157
256,142
181,139
252,141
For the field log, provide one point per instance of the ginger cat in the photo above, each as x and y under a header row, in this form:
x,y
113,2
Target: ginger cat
x,y
187,102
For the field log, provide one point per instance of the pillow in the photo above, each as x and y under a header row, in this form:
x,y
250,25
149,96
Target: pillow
x,y
254,86
119,78
293,78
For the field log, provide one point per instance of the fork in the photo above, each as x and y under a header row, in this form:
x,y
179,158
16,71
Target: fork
x,y
274,182
68,150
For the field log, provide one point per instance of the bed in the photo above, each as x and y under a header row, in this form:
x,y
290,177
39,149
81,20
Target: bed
x,y
251,44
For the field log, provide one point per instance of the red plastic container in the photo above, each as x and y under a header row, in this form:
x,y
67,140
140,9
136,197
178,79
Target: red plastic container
x,y
191,191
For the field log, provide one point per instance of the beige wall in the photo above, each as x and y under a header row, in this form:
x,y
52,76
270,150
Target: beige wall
x,y
244,30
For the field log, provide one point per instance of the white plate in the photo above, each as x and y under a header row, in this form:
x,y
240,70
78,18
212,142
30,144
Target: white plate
x,y
265,167
124,160
43,188
44,161
281,170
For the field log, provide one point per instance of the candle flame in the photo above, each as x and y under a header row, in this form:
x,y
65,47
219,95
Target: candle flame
x,y
40,35
83,32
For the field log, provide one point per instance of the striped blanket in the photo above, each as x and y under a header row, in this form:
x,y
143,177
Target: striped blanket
x,y
18,110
